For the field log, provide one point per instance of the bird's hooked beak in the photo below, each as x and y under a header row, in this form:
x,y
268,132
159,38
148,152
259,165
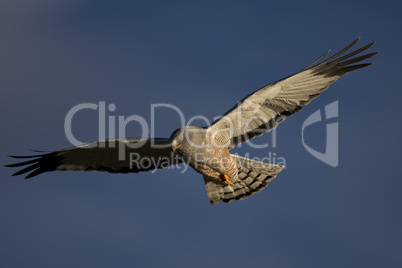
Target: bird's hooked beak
x,y
175,145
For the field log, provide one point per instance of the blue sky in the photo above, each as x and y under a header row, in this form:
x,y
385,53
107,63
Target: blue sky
x,y
202,56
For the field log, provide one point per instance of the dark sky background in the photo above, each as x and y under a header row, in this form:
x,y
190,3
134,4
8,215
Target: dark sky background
x,y
201,56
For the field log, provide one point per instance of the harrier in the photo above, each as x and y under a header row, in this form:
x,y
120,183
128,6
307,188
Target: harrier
x,y
227,176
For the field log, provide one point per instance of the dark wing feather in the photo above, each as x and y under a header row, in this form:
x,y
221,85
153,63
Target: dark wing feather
x,y
112,156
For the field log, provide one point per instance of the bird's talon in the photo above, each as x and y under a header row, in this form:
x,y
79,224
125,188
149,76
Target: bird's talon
x,y
225,178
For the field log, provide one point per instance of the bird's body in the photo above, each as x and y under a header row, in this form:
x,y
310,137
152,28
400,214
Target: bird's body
x,y
208,154
227,177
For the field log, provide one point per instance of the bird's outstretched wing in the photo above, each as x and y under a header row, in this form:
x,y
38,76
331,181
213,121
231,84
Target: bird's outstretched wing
x,y
122,155
264,109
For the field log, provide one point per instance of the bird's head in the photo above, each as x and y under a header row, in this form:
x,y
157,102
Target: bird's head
x,y
176,139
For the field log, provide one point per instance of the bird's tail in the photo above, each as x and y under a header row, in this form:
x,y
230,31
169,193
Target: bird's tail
x,y
253,176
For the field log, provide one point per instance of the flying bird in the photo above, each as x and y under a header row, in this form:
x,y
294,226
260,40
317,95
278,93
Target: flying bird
x,y
227,177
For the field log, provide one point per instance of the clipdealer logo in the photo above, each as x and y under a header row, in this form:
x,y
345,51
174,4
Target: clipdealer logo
x,y
107,125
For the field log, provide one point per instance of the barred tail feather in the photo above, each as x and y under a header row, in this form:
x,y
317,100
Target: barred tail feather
x,y
253,176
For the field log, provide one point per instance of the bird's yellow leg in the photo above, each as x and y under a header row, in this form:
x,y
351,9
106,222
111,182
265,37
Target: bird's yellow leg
x,y
225,178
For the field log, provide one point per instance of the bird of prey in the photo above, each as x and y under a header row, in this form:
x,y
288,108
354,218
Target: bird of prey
x,y
227,176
